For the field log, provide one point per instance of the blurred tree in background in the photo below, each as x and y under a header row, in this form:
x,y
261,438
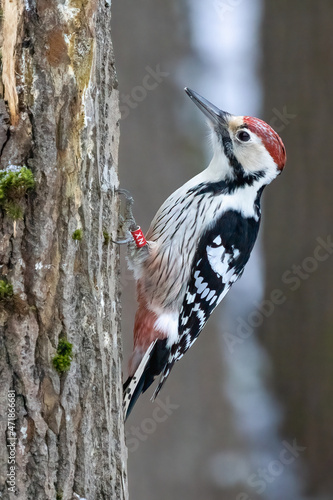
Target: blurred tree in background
x,y
298,75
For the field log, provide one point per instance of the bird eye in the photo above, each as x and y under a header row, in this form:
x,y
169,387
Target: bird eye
x,y
243,136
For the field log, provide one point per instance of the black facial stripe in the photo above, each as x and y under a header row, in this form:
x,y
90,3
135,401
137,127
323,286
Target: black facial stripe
x,y
225,138
228,186
227,144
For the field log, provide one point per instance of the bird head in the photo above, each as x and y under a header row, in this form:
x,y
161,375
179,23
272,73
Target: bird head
x,y
246,148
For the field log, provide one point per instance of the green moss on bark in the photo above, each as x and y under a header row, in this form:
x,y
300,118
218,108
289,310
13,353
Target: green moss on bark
x,y
77,235
62,360
6,290
14,183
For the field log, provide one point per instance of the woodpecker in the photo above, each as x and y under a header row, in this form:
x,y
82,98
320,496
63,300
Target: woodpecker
x,y
198,244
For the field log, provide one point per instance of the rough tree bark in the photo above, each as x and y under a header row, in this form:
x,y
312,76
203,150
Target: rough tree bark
x,y
59,116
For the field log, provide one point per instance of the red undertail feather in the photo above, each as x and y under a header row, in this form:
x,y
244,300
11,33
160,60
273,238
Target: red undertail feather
x,y
144,333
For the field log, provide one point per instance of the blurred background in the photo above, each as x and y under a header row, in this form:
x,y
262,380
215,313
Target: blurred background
x,y
248,413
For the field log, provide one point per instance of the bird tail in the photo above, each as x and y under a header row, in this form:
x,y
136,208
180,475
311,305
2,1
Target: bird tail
x,y
163,377
152,363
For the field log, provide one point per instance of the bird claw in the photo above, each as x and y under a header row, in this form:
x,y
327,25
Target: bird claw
x,y
127,194
123,241
127,222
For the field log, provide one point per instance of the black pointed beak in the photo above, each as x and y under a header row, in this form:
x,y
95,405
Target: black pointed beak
x,y
214,114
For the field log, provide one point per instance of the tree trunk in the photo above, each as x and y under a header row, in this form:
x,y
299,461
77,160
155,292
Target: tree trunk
x,y
59,117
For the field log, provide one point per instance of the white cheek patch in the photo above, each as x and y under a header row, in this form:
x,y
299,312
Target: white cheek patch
x,y
254,156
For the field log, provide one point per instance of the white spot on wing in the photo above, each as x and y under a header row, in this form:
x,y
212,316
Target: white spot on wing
x,y
184,320
220,260
190,298
236,252
218,240
198,282
213,300
202,287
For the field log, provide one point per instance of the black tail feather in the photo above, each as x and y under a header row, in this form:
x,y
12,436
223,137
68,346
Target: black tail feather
x,y
136,393
154,366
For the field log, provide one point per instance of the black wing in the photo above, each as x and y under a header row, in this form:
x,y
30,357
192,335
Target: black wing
x,y
219,261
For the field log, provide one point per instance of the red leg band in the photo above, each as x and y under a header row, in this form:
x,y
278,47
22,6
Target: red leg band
x,y
139,238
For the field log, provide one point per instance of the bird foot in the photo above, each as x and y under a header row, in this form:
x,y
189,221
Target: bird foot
x,y
127,221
